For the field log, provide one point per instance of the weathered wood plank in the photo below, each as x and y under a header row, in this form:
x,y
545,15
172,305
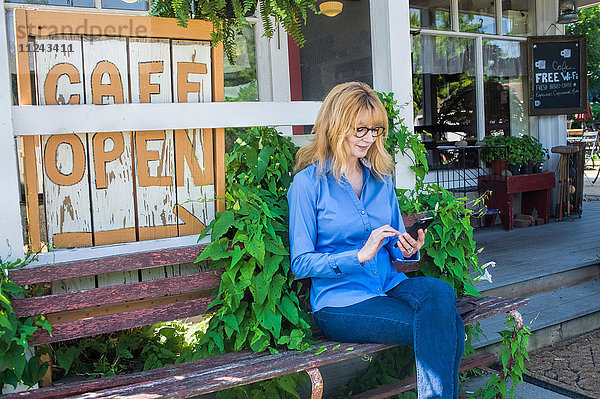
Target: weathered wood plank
x,y
142,260
115,294
411,382
111,176
121,321
155,190
66,390
244,372
492,306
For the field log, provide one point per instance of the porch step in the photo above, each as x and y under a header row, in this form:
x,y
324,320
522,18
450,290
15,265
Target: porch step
x,y
534,282
554,316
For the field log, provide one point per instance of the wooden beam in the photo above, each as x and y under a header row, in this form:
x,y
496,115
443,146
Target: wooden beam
x,y
84,299
90,267
121,321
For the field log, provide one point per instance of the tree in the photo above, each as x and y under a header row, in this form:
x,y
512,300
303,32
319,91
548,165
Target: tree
x,y
589,25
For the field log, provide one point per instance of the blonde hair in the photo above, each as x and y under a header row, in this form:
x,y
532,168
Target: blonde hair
x,y
338,115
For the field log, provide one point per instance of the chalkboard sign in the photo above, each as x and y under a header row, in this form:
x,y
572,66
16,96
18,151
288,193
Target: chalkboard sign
x,y
557,75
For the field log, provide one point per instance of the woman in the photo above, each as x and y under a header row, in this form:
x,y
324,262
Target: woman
x,y
345,230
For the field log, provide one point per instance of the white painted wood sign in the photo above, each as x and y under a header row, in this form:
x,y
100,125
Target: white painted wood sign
x,y
123,186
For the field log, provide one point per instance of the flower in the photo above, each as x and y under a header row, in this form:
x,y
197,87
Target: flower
x,y
486,276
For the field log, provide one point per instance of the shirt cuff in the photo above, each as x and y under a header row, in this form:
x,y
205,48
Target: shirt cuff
x,y
345,263
398,257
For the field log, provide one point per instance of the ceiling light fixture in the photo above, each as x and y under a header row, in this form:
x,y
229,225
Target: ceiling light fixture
x,y
331,8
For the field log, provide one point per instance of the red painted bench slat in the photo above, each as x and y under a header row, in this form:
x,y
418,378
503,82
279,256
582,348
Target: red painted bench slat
x,y
121,321
142,260
74,388
116,294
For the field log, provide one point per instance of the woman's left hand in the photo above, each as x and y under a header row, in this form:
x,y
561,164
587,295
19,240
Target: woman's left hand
x,y
408,245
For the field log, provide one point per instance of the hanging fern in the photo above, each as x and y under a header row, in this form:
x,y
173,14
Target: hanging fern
x,y
229,16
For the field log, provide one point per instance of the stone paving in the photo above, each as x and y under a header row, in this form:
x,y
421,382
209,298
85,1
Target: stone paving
x,y
573,365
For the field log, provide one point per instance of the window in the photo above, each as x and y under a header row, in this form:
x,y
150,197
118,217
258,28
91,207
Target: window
x,y
517,17
504,70
71,3
444,87
140,5
430,14
240,78
477,16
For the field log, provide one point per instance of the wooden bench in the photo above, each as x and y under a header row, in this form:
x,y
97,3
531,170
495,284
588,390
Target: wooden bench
x,y
89,312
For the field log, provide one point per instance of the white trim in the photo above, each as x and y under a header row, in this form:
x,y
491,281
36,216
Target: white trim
x,y
498,6
10,6
433,32
479,89
11,232
57,119
455,22
77,254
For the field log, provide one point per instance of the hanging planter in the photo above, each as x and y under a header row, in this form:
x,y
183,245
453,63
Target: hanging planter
x,y
229,16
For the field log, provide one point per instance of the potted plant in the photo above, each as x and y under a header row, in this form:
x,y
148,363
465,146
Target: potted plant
x,y
535,154
514,153
229,16
494,153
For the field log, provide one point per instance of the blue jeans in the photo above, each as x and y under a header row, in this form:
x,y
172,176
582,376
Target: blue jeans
x,y
420,312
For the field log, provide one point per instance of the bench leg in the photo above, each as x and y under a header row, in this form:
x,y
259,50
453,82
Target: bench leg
x,y
317,383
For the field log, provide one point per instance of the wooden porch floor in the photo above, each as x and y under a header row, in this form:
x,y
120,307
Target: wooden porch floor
x,y
528,253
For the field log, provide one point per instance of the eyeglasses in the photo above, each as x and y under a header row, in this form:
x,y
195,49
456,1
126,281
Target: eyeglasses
x,y
375,131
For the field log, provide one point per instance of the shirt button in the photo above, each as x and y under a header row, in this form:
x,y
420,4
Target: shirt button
x,y
363,243
374,272
379,289
362,212
368,229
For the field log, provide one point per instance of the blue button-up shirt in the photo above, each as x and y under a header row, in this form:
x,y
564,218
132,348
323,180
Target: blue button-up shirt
x,y
329,224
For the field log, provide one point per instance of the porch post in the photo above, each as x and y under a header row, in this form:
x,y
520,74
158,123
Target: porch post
x,y
392,67
11,231
551,129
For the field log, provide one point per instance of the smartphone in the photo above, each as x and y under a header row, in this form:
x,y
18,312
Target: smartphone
x,y
413,230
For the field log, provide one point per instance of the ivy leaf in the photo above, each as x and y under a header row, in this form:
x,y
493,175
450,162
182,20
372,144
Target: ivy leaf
x,y
259,341
269,319
11,287
215,250
222,224
218,340
275,247
272,265
263,160
18,362
289,309
288,384
236,256
65,357
231,321
256,248
261,288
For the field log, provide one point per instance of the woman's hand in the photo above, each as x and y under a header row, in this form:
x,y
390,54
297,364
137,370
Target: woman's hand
x,y
374,242
408,245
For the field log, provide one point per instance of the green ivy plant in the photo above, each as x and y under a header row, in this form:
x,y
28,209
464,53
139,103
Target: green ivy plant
x,y
15,368
515,339
400,139
229,16
256,306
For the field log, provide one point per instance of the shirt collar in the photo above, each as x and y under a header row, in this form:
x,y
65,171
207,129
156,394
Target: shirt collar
x,y
364,162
